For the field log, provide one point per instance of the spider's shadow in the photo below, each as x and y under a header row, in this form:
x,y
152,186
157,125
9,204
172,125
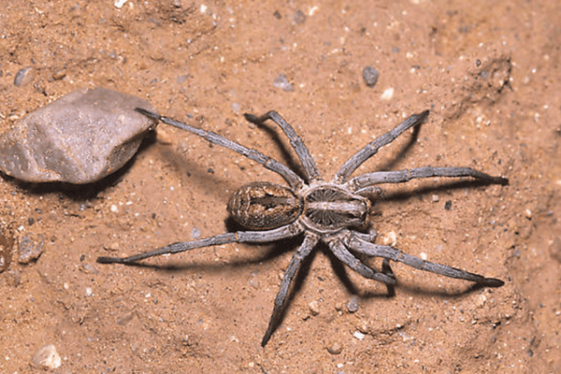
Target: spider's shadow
x,y
408,288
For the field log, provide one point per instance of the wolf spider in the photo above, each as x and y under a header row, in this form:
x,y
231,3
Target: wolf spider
x,y
322,211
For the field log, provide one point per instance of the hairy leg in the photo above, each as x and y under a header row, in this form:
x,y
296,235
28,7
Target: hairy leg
x,y
296,142
291,177
310,240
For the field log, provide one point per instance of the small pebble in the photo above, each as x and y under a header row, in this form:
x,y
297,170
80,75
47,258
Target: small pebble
x,y
359,335
182,78
435,198
387,94
362,326
282,82
195,233
113,247
335,348
119,3
254,283
528,213
448,205
88,269
480,301
30,249
299,18
352,304
59,74
314,307
370,76
23,77
46,358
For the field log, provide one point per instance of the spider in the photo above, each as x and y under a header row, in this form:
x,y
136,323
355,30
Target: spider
x,y
330,212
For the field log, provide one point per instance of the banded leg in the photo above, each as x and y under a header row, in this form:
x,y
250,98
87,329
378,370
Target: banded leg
x,y
358,244
310,240
295,141
233,237
372,148
401,176
291,177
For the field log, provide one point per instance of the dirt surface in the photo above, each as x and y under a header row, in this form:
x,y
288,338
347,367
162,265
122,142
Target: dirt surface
x,y
489,72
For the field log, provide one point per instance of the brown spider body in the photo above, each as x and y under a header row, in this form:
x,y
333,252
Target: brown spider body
x,y
329,212
324,208
264,206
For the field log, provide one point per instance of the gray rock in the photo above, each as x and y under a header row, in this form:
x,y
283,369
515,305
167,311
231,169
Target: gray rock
x,y
23,77
80,138
370,76
30,248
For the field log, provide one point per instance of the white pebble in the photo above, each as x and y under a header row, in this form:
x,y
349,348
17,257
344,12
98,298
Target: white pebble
x,y
46,358
314,308
387,94
359,335
119,3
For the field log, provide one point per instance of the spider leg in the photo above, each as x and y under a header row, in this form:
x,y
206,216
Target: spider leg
x,y
370,237
346,257
386,268
366,181
310,240
296,142
372,148
370,191
291,177
284,232
358,244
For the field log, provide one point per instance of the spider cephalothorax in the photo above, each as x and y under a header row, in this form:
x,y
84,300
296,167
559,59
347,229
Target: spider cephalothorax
x,y
326,211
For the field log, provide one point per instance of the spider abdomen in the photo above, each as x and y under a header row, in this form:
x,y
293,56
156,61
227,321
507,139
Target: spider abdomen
x,y
264,206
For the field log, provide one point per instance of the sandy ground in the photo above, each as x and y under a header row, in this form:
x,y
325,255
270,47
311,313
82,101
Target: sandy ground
x,y
489,72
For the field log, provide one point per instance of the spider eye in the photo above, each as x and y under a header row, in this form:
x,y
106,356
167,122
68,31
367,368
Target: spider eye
x,y
264,206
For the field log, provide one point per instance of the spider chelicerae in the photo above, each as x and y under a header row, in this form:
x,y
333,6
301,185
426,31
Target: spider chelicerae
x,y
330,212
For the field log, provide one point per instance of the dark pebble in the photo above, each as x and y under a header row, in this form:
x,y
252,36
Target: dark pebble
x,y
370,76
23,77
30,249
299,17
